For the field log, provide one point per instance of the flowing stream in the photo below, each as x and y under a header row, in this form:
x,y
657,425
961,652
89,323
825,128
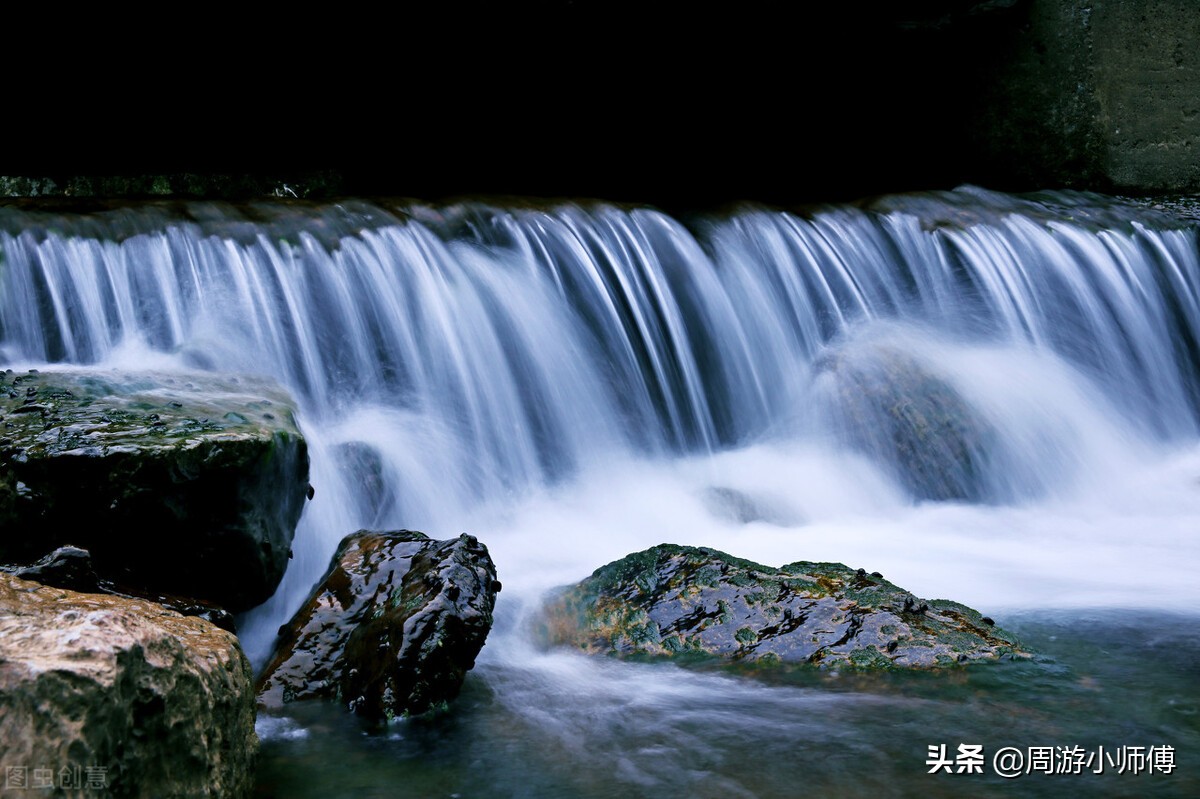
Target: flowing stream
x,y
575,382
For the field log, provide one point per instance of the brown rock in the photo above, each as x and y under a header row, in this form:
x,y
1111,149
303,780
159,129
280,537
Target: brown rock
x,y
71,568
124,693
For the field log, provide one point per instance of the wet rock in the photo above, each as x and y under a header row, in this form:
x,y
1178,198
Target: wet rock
x,y
392,629
66,567
189,485
362,466
742,507
183,605
671,600
125,692
71,568
894,409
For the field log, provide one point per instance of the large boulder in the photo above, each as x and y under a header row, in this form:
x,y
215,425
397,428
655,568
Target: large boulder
x,y
391,630
671,600
188,485
893,408
121,696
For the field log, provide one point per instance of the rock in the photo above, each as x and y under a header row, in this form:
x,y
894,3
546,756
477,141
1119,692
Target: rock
x,y
122,693
71,568
888,405
66,567
671,600
741,507
311,185
183,485
391,630
361,465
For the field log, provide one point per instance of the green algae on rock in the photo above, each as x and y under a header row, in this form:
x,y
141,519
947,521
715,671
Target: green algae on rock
x,y
184,484
391,630
671,600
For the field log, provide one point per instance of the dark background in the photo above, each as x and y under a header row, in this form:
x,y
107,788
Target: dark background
x,y
676,104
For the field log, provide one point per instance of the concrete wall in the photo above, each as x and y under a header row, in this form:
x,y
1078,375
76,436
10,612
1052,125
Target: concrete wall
x,y
1147,86
1102,94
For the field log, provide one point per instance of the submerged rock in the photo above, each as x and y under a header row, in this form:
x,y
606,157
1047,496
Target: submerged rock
x,y
670,600
361,465
184,485
742,507
392,629
891,407
123,695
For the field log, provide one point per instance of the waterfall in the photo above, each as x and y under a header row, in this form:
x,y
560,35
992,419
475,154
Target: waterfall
x,y
454,359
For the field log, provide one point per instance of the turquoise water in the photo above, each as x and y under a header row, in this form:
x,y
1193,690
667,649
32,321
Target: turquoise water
x,y
1104,679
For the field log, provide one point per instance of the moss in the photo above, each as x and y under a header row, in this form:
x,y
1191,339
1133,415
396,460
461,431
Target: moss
x,y
829,586
972,620
644,634
870,658
742,580
407,604
745,635
708,576
722,611
619,574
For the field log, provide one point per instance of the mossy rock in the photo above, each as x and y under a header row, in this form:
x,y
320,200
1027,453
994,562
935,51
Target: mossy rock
x,y
670,600
183,484
391,630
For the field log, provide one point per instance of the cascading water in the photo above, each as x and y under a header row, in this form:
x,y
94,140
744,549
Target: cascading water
x,y
573,383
